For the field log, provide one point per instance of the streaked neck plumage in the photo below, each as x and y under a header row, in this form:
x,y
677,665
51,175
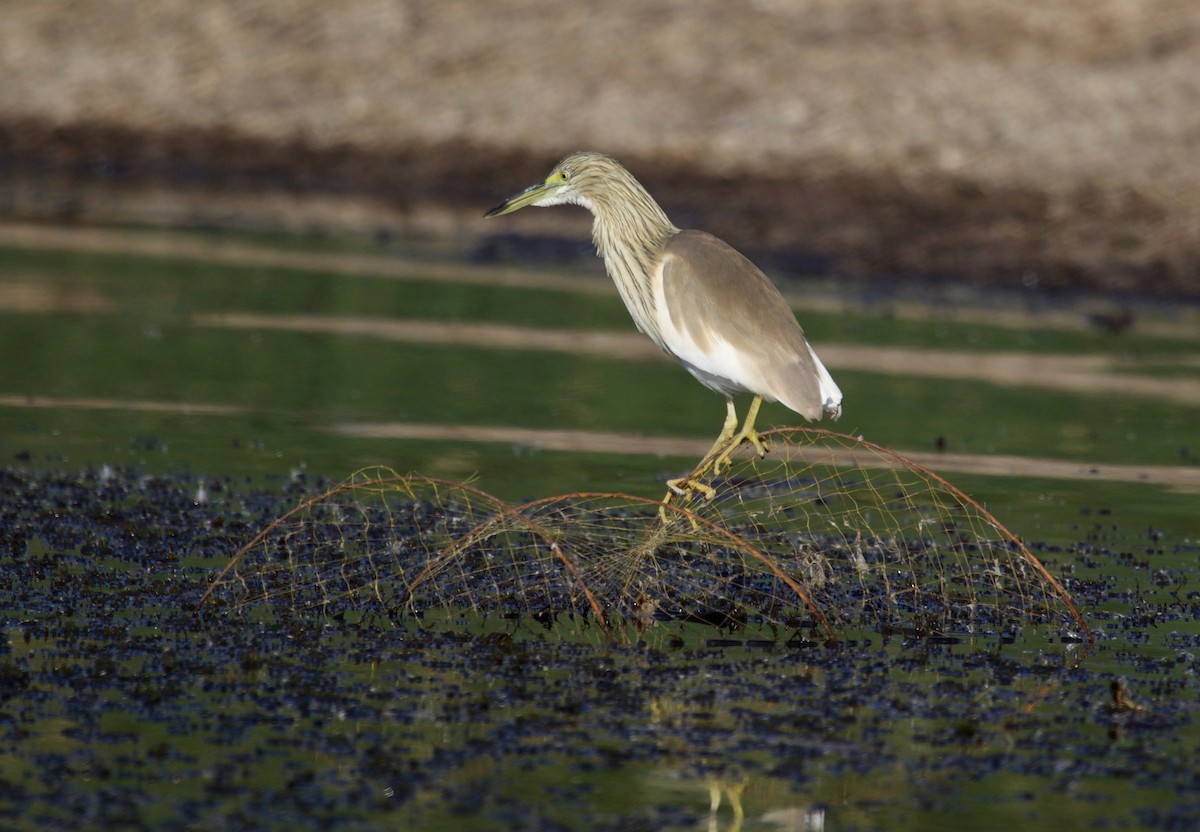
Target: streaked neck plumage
x,y
629,231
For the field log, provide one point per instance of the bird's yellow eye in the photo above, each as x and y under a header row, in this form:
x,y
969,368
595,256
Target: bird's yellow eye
x,y
564,176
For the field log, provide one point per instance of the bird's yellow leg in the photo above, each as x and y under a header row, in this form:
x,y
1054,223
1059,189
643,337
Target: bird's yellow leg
x,y
684,486
746,434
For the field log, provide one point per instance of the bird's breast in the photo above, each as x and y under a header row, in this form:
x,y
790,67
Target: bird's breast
x,y
714,362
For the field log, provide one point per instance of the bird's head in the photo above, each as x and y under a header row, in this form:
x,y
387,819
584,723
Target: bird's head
x,y
576,180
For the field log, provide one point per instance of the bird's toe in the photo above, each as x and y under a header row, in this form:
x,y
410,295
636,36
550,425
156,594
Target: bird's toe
x,y
759,445
687,486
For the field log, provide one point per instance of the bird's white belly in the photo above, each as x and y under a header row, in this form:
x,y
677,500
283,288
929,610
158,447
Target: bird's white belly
x,y
716,364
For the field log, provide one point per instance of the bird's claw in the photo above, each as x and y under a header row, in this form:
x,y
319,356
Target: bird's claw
x,y
687,486
760,446
725,458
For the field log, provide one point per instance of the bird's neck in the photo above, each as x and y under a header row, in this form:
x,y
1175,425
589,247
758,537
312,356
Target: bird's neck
x,y
633,231
630,241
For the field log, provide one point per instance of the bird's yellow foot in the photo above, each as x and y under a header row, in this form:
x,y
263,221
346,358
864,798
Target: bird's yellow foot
x,y
686,486
760,446
723,459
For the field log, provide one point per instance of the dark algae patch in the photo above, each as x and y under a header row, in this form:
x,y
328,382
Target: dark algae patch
x,y
121,707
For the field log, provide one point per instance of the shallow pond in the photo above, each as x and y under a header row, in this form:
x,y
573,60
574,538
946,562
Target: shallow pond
x,y
164,396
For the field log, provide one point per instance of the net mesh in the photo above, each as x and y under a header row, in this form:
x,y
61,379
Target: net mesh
x,y
827,532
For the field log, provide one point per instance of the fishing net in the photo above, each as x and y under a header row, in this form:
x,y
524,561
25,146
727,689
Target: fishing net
x,y
826,533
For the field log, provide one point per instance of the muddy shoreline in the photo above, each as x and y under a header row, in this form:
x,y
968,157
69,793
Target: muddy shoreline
x,y
822,220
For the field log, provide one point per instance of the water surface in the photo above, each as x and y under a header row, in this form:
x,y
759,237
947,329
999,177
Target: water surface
x,y
145,371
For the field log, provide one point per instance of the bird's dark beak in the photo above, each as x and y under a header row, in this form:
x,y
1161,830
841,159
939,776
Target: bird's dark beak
x,y
532,194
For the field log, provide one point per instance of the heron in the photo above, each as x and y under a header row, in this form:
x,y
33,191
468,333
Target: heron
x,y
696,297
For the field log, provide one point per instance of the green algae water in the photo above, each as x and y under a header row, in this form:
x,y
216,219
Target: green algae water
x,y
146,431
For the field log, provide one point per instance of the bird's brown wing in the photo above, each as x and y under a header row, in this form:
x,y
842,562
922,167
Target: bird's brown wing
x,y
713,292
